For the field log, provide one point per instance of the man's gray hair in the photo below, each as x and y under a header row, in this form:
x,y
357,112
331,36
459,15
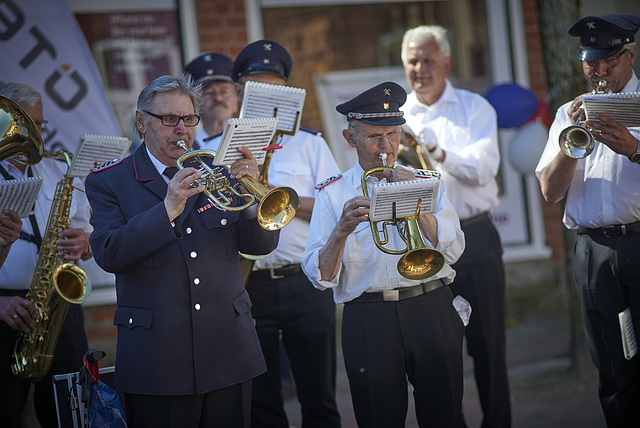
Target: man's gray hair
x,y
425,33
20,93
182,84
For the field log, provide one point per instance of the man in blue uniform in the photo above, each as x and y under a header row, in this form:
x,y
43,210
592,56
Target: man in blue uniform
x,y
187,347
603,204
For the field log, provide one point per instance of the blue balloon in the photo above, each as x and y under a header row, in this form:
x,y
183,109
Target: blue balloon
x,y
514,104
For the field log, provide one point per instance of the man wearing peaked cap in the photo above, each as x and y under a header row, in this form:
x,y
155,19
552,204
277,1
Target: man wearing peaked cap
x,y
603,205
603,36
377,106
219,102
393,328
288,310
263,56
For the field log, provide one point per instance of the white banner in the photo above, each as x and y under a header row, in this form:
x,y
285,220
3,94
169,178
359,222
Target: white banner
x,y
42,46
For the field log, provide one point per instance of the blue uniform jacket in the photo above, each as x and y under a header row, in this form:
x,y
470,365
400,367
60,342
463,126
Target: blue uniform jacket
x,y
183,315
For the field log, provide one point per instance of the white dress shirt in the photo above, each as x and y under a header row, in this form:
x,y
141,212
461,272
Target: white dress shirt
x,y
365,268
201,136
17,271
303,161
465,126
604,189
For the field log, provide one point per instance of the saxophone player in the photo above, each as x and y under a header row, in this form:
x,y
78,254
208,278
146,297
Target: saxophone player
x,y
19,246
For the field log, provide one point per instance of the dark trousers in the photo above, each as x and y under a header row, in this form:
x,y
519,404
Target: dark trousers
x,y
607,274
480,279
305,318
386,343
222,408
72,345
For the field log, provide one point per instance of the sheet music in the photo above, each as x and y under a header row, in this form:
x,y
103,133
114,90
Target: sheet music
x,y
19,195
406,195
254,134
94,150
265,100
623,107
629,345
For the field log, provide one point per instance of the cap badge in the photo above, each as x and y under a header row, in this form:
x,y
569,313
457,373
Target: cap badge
x,y
208,58
591,25
267,46
385,106
387,91
209,72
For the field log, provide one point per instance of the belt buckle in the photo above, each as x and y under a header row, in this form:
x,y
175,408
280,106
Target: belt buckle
x,y
272,274
391,295
610,231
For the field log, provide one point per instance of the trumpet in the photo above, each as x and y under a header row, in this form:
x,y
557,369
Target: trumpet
x,y
577,141
418,261
276,207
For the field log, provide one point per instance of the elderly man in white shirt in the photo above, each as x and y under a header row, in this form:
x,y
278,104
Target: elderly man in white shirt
x,y
459,131
393,328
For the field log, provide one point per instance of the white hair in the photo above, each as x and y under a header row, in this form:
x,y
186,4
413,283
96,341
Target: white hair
x,y
425,33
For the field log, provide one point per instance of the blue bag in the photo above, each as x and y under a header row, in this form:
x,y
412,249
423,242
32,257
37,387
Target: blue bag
x,y
105,410
102,403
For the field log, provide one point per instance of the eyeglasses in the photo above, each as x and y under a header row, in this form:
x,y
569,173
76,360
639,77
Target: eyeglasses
x,y
41,123
612,61
189,120
393,137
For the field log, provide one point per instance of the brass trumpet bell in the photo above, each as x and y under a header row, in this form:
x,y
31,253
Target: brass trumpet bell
x,y
576,141
19,135
277,207
417,261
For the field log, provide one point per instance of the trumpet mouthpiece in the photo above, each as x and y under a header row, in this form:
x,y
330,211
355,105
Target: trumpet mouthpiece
x,y
182,145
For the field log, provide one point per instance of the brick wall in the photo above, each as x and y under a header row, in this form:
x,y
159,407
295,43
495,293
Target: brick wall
x,y
222,26
552,213
101,333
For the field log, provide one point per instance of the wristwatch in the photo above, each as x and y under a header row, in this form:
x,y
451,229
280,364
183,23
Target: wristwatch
x,y
636,156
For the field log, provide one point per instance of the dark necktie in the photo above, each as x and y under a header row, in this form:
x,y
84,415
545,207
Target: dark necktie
x,y
170,171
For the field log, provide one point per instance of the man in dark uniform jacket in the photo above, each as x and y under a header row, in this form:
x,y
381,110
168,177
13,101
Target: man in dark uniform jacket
x,y
187,348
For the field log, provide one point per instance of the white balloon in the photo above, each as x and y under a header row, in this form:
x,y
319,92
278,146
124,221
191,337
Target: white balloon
x,y
526,147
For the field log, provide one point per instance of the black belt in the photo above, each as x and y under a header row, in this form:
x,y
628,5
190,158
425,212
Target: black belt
x,y
468,221
277,273
398,293
613,231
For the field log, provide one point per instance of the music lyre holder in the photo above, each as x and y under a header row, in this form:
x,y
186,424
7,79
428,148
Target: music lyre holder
x,y
277,137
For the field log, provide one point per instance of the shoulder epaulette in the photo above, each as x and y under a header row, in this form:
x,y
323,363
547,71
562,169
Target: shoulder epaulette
x,y
310,130
328,181
106,165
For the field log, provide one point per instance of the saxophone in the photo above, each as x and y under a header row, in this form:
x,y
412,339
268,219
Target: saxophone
x,y
54,287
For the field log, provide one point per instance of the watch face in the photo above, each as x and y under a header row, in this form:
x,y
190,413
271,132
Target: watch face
x,y
635,158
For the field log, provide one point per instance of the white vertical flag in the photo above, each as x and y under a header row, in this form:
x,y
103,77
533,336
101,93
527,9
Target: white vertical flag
x,y
42,46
